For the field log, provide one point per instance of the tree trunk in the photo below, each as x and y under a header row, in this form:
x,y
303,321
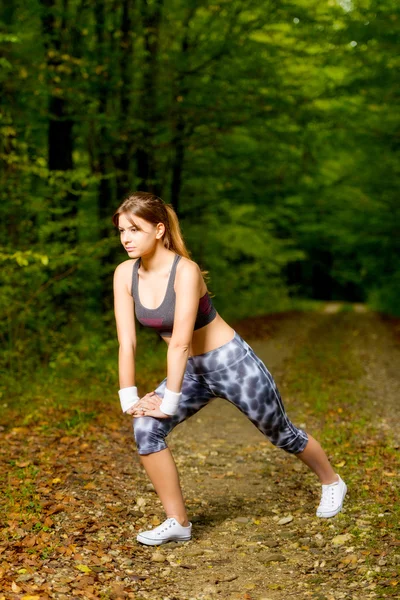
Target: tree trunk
x,y
180,133
146,168
103,90
127,137
60,141
59,136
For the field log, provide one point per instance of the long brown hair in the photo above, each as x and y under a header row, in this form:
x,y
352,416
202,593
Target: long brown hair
x,y
151,208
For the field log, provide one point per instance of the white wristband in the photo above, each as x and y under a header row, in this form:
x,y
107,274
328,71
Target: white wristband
x,y
170,402
128,397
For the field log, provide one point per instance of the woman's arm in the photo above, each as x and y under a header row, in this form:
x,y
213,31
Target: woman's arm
x,y
188,284
126,331
187,288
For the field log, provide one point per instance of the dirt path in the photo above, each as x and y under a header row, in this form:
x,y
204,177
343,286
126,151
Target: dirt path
x,y
255,533
378,348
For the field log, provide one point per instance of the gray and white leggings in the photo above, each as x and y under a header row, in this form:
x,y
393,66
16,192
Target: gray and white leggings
x,y
234,372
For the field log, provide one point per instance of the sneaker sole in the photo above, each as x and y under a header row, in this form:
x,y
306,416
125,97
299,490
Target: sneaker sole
x,y
150,542
333,513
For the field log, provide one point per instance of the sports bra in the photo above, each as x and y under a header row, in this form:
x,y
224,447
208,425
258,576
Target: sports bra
x,y
162,318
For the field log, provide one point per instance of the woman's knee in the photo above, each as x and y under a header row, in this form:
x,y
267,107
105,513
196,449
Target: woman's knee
x,y
149,435
293,441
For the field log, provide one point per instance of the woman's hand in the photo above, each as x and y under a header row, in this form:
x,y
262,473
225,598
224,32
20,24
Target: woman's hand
x,y
148,406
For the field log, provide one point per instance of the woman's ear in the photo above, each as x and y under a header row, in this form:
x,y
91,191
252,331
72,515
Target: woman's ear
x,y
160,227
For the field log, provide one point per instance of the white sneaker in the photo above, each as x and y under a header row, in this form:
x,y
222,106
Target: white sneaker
x,y
332,499
169,531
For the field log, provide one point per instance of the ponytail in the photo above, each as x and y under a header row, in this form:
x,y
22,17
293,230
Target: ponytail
x,y
173,239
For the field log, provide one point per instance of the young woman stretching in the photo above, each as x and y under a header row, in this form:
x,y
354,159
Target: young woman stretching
x,y
206,359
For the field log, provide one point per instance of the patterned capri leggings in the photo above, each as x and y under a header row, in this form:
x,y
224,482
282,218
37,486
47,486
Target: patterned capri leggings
x,y
234,372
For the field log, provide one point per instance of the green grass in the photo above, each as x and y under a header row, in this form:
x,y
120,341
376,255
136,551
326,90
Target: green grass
x,y
77,384
76,421
346,307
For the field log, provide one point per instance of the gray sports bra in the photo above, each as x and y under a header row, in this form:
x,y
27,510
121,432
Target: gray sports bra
x,y
162,318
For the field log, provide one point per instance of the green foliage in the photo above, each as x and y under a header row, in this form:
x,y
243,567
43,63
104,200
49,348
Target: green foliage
x,y
273,130
247,259
385,296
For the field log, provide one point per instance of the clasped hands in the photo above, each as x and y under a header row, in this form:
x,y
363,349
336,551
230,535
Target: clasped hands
x,y
148,406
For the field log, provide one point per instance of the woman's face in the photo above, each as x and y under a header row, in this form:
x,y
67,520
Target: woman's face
x,y
138,237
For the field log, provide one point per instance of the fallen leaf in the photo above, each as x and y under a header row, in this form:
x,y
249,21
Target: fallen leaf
x,y
30,541
24,463
84,568
349,560
340,540
90,486
56,509
78,556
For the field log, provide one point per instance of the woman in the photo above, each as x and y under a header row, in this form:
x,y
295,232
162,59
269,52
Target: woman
x,y
206,358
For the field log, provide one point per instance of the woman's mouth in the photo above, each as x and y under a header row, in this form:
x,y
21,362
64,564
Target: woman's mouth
x,y
129,249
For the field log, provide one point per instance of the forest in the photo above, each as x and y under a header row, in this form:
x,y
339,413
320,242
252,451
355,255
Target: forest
x,y
271,127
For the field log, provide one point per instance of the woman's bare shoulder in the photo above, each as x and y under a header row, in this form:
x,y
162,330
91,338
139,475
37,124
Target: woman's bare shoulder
x,y
188,266
125,266
189,273
123,272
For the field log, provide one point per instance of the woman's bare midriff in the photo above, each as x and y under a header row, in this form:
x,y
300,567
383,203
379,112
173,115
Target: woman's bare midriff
x,y
212,336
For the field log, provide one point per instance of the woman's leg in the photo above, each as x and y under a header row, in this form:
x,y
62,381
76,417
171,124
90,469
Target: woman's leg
x,y
162,472
247,383
315,458
157,460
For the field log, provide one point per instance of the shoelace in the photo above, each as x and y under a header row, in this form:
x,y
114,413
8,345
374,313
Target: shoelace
x,y
170,521
328,495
